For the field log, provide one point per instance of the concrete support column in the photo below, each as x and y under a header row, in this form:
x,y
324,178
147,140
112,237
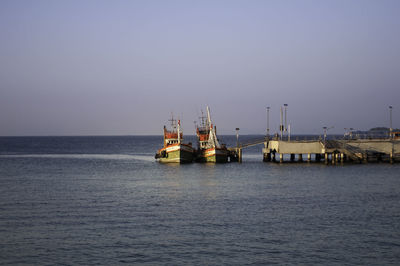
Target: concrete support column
x,y
342,157
239,155
336,155
267,157
300,157
281,157
326,158
365,158
391,157
309,157
292,156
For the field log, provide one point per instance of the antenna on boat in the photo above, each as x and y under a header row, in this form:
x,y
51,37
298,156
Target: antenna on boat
x,y
202,119
173,121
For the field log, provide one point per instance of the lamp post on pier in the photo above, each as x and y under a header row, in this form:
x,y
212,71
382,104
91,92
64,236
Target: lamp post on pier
x,y
268,122
237,137
281,126
286,105
390,129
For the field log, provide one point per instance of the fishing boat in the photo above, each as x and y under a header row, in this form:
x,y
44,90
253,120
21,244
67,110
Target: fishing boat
x,y
174,151
209,147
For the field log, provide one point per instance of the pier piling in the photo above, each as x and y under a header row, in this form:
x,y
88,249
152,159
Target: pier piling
x,y
300,158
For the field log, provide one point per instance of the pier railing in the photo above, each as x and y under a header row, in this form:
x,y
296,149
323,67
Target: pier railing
x,y
305,138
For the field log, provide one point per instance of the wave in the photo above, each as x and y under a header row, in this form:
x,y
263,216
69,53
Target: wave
x,y
83,156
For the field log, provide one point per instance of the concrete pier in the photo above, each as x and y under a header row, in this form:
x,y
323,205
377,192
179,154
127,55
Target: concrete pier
x,y
329,151
335,151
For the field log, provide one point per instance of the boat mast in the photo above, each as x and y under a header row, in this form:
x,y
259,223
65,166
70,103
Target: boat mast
x,y
179,131
173,123
213,136
208,116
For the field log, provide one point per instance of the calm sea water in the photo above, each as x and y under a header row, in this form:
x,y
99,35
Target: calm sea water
x,y
104,200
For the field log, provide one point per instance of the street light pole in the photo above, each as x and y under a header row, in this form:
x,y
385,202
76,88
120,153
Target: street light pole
x,y
268,122
391,129
237,137
286,129
281,125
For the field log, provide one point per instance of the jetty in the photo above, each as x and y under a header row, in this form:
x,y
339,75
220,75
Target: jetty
x,y
326,151
333,151
282,148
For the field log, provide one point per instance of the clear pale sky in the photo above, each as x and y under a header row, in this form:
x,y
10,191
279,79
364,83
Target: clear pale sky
x,y
121,67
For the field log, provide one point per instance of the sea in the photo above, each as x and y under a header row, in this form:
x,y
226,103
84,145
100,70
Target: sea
x,y
105,200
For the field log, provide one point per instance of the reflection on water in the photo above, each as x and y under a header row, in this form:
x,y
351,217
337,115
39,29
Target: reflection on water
x,y
180,179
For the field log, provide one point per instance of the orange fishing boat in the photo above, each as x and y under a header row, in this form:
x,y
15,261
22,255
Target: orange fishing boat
x,y
174,151
209,148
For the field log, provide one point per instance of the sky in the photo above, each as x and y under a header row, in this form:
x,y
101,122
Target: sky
x,y
122,67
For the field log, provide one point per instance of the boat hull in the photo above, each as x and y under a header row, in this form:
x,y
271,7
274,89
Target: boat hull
x,y
176,154
213,155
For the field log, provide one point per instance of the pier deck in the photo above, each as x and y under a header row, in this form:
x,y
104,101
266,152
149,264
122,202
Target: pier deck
x,y
333,151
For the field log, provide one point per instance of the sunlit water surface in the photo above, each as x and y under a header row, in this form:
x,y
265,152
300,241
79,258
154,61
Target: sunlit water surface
x,y
104,200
